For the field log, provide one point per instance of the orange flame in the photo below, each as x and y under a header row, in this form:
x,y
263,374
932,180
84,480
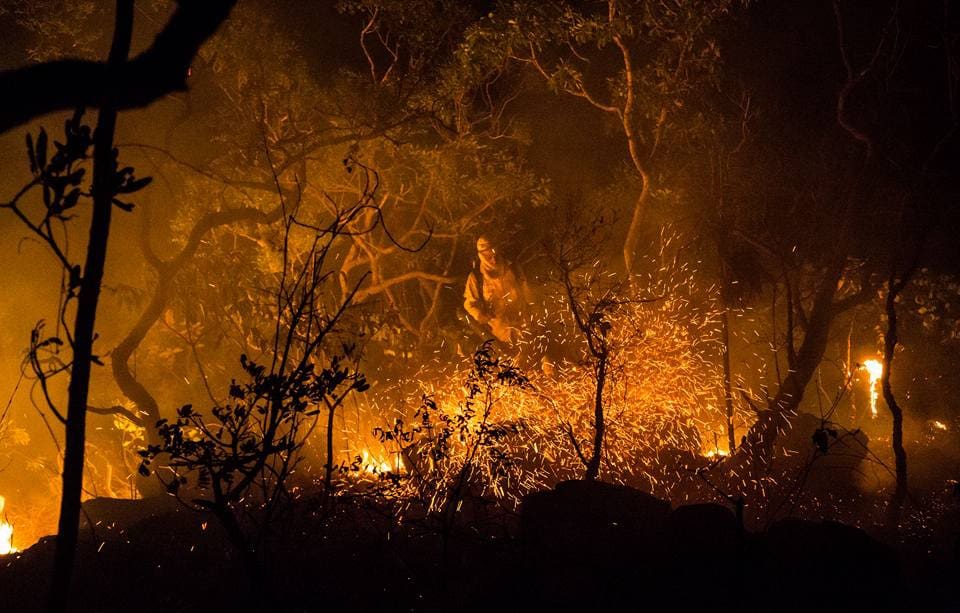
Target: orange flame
x,y
6,533
373,464
875,369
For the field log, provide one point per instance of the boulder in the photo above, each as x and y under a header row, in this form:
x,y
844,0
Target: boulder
x,y
825,563
594,520
707,531
593,543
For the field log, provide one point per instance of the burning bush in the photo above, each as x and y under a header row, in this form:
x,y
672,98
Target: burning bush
x,y
459,448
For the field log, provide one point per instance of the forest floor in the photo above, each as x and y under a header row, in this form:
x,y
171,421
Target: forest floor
x,y
582,544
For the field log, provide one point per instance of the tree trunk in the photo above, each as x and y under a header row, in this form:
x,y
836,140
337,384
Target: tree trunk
x,y
593,466
328,467
758,446
147,408
727,384
636,221
146,404
895,504
104,169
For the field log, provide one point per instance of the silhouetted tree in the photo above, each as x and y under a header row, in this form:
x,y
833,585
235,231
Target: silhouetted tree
x,y
818,260
159,70
110,86
60,179
240,460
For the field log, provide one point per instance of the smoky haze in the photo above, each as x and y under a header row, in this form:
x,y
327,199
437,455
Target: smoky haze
x,y
693,254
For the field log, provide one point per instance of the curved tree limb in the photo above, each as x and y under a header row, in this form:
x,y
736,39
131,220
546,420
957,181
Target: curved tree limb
x,y
167,271
161,69
117,409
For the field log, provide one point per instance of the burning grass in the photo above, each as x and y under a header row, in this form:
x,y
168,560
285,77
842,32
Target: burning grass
x,y
662,402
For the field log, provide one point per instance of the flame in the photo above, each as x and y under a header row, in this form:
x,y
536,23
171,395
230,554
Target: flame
x,y
874,368
374,465
938,425
6,533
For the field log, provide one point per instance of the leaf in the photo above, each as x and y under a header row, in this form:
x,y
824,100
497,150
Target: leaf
x,y
76,176
71,199
135,185
143,470
126,206
31,154
42,149
52,341
75,276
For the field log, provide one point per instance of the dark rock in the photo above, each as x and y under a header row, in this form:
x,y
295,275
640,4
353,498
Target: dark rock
x,y
835,472
704,530
109,511
593,519
592,543
826,563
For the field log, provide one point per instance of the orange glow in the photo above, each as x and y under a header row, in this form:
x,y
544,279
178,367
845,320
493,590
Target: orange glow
x,y
6,533
374,464
875,369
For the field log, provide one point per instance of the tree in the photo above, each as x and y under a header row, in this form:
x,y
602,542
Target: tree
x,y
636,373
59,179
240,461
590,306
822,229
663,54
110,86
159,70
895,285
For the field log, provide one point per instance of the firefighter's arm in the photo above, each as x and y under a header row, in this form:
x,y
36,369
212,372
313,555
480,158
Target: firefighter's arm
x,y
473,302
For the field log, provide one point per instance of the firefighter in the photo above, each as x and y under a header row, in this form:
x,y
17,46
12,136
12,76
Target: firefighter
x,y
496,295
